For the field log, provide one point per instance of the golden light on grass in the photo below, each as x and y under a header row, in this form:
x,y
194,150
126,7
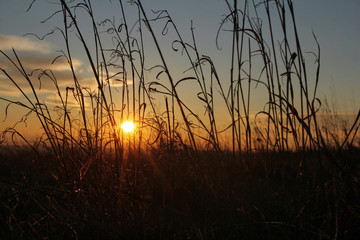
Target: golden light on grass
x,y
128,126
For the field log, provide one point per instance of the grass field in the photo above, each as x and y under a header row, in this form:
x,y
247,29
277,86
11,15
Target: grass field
x,y
272,197
227,171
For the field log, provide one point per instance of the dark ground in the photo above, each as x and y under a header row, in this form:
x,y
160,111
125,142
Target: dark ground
x,y
211,196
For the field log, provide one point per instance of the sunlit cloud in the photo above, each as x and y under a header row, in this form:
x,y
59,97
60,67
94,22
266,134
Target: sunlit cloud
x,y
8,42
120,82
54,100
37,67
37,58
115,78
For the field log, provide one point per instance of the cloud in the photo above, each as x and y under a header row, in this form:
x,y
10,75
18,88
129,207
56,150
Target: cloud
x,y
8,42
54,100
116,79
35,64
36,61
35,57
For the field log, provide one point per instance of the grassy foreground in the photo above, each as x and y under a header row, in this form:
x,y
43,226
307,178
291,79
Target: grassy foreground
x,y
266,196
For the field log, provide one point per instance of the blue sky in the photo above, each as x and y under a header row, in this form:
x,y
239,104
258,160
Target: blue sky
x,y
335,23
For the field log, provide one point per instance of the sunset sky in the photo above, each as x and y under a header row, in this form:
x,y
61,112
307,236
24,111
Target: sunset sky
x,y
335,23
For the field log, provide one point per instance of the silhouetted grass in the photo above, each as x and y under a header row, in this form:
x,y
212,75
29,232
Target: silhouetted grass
x,y
283,174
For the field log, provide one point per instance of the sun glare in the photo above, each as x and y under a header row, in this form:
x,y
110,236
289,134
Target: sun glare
x,y
128,126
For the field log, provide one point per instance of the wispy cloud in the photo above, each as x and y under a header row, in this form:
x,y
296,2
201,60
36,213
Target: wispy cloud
x,y
8,42
35,64
37,56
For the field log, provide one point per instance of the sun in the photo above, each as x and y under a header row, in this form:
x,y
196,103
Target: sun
x,y
128,126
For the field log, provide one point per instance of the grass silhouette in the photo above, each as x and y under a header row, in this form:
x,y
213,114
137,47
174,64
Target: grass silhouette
x,y
282,173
